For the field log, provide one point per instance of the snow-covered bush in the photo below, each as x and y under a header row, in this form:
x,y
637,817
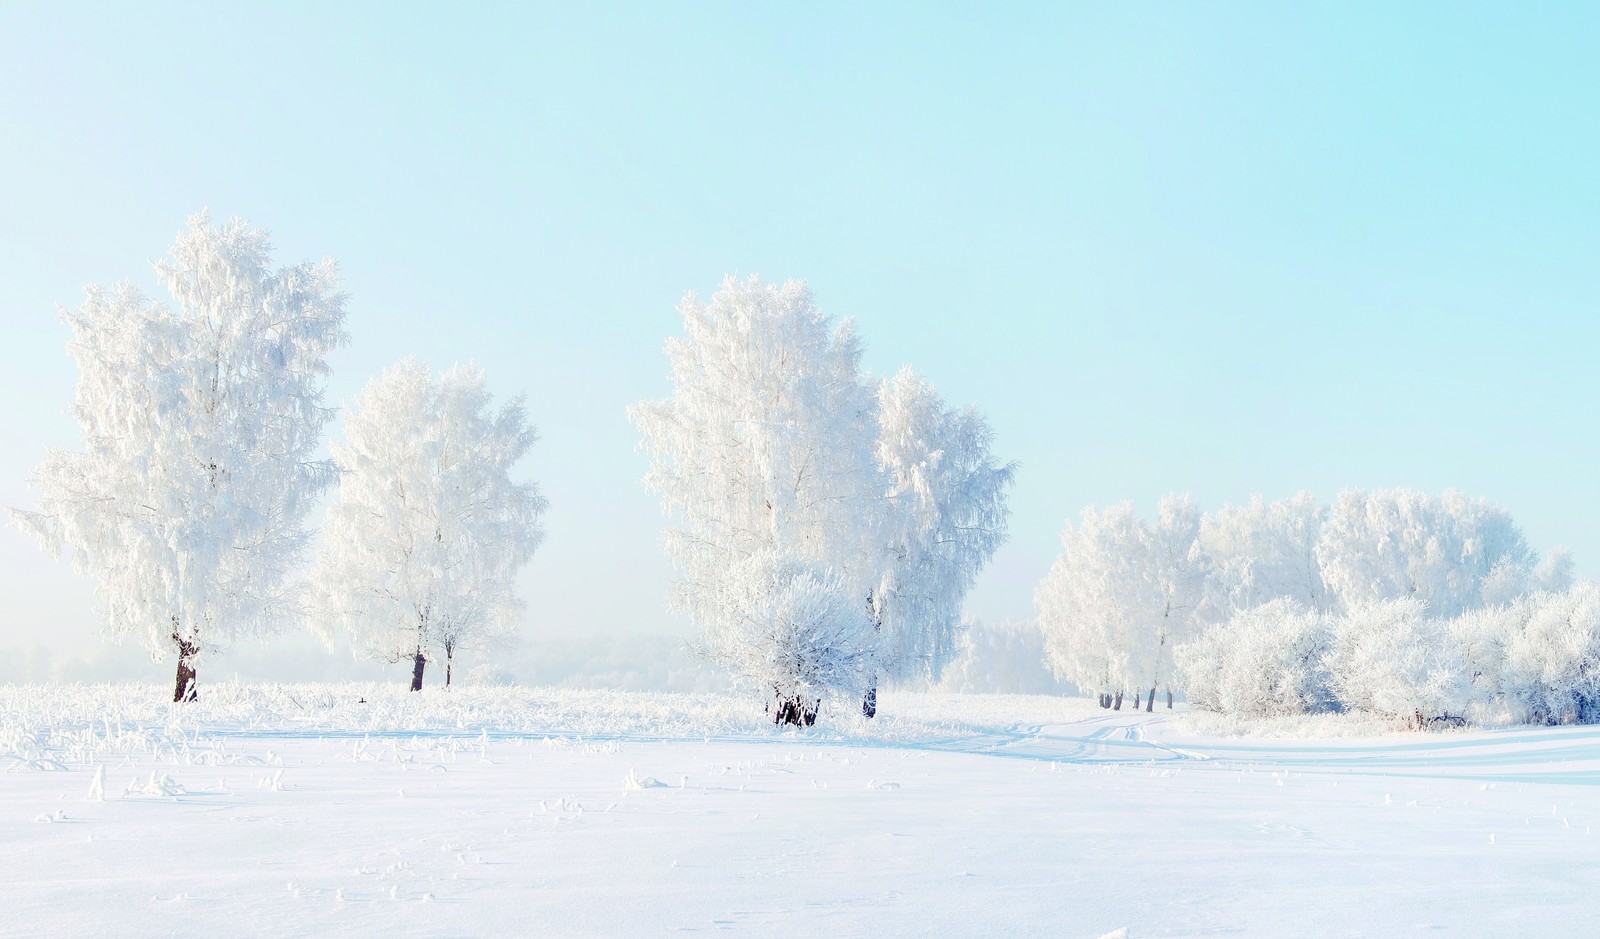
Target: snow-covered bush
x,y
1481,636
1264,662
1552,657
1393,660
801,636
1125,591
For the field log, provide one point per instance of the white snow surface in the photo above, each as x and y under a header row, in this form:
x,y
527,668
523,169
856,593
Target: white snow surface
x,y
289,810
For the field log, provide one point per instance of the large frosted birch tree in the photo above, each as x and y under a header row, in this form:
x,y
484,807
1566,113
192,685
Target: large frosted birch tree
x,y
764,453
200,419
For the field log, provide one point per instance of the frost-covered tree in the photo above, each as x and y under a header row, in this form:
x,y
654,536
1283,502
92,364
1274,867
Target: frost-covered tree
x,y
765,450
1177,568
1086,602
787,471
945,516
1121,596
429,529
1451,552
1263,551
200,421
1264,662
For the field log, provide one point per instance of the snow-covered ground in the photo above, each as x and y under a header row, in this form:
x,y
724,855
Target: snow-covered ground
x,y
306,810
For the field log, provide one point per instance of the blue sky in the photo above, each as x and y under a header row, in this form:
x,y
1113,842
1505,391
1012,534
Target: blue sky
x,y
1204,247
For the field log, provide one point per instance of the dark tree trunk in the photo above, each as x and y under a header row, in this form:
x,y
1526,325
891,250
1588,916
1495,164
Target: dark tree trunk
x,y
186,690
1116,704
1105,700
795,712
1136,699
449,665
869,704
1150,705
1169,699
417,665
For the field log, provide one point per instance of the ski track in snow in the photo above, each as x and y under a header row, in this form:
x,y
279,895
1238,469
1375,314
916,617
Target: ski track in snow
x,y
950,815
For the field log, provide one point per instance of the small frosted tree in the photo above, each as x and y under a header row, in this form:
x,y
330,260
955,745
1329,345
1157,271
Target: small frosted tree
x,y
187,504
1091,602
429,529
1177,569
1121,596
944,517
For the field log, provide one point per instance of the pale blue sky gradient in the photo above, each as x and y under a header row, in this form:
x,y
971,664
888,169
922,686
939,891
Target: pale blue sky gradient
x,y
1204,247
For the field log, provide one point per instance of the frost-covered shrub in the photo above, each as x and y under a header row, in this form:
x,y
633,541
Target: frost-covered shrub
x,y
1264,662
800,635
1392,660
1551,664
1481,636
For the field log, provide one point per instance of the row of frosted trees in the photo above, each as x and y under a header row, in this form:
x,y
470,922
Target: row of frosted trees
x,y
201,421
1401,604
829,524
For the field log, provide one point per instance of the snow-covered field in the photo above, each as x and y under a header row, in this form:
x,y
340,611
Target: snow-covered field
x,y
364,810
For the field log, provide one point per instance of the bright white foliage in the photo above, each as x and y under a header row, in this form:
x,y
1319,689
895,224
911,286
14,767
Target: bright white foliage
x,y
1264,662
1122,594
1392,659
429,530
1451,552
1551,671
776,455
800,632
753,449
945,517
1263,551
200,420
1178,569
1088,602
1123,591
